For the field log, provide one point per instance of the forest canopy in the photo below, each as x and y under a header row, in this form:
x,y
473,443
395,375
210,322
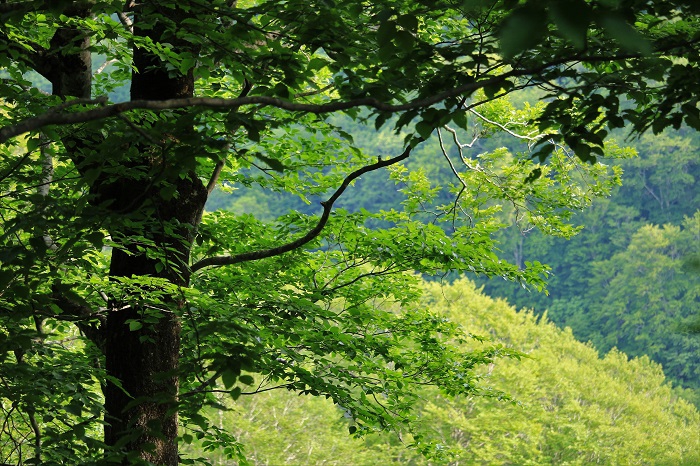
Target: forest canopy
x,y
126,309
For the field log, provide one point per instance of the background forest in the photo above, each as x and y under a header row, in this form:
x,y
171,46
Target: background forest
x,y
627,283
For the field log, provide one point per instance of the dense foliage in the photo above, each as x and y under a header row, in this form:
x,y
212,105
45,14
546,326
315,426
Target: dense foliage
x,y
124,308
626,280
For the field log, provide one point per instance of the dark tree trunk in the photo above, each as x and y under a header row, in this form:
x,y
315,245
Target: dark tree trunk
x,y
141,394
141,414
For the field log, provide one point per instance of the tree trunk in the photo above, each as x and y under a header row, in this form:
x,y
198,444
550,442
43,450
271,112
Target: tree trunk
x,y
142,363
141,412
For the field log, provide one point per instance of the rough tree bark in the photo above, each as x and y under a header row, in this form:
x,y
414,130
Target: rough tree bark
x,y
141,409
142,413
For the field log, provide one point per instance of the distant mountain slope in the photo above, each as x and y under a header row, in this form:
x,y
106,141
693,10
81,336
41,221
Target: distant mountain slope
x,y
622,280
576,407
573,407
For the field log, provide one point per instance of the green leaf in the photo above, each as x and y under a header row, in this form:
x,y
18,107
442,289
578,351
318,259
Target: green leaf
x,y
408,22
533,175
6,277
282,91
460,118
253,131
135,325
168,192
572,18
544,152
274,164
96,238
425,129
38,244
317,63
523,29
246,379
228,377
385,33
33,143
75,408
404,40
624,34
387,51
186,64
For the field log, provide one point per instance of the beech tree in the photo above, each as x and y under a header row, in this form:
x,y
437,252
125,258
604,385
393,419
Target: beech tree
x,y
107,255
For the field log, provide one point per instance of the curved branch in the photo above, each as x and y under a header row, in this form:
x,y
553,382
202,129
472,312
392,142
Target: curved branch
x,y
311,234
55,118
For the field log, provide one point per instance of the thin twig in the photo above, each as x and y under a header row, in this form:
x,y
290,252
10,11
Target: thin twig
x,y
124,18
105,65
215,176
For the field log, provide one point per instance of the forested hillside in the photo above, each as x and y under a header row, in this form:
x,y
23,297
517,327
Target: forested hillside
x,y
627,280
571,406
